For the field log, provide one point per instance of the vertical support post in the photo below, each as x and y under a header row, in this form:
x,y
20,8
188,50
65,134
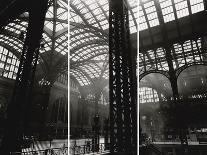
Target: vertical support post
x,y
96,129
173,78
96,126
122,81
106,132
19,105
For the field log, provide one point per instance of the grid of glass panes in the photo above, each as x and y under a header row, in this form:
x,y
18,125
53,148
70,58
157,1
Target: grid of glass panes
x,y
181,7
151,13
149,57
8,64
191,51
90,51
148,95
179,54
181,10
133,19
96,12
62,43
106,74
142,20
86,44
196,5
60,28
141,63
92,70
47,43
82,79
148,63
167,10
11,42
61,15
161,59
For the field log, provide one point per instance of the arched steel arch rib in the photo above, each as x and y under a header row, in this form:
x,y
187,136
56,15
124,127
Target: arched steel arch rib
x,y
82,62
91,29
89,70
88,56
92,52
10,42
92,37
87,43
92,34
84,73
60,43
11,34
47,31
10,49
179,70
103,11
15,36
77,12
92,14
165,73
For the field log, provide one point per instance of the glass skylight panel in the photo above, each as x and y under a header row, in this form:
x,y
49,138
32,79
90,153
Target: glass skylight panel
x,y
82,79
142,20
181,7
95,16
8,64
148,95
102,2
167,10
89,2
133,3
196,5
151,13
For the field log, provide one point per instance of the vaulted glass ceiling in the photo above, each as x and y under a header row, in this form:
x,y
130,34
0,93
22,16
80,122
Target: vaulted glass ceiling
x,y
55,36
151,12
170,10
89,23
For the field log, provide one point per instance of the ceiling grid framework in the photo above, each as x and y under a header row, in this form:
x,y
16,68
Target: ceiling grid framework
x,y
54,43
183,53
89,24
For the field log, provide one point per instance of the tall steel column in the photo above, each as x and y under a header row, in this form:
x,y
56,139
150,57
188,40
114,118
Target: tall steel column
x,y
18,107
122,82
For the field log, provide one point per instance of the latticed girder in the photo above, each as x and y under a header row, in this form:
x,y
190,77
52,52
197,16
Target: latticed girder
x,y
122,97
18,107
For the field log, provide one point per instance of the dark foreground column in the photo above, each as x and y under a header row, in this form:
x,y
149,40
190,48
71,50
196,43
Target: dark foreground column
x,y
18,106
122,81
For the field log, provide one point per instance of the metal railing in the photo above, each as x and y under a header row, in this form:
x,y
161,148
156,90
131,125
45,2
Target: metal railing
x,y
89,149
52,151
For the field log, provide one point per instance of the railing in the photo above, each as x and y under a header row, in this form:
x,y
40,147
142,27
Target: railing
x,y
89,149
52,151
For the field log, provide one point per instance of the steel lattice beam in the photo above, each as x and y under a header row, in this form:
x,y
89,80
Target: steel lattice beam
x,y
18,107
123,124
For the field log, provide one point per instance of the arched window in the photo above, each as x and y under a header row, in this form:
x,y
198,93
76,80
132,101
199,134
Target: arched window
x,y
148,95
9,64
